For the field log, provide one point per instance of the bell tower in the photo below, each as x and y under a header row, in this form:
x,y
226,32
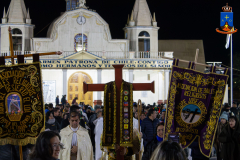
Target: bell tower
x,y
141,30
18,18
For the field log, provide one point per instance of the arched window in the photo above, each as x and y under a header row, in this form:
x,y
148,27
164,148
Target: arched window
x,y
143,34
78,44
144,44
17,39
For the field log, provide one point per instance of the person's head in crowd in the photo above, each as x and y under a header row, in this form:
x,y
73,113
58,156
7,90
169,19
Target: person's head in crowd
x,y
50,117
134,108
233,121
168,150
97,108
61,106
234,105
227,106
47,146
56,112
61,113
75,108
160,129
224,117
163,113
74,118
147,109
46,106
143,116
66,107
57,96
152,114
57,106
50,106
89,110
100,113
136,114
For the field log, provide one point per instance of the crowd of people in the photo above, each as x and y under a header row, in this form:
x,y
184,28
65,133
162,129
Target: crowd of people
x,y
73,132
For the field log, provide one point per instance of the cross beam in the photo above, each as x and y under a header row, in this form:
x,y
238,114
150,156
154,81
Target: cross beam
x,y
118,82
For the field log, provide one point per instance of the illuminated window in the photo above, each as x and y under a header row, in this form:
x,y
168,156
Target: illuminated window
x,y
78,45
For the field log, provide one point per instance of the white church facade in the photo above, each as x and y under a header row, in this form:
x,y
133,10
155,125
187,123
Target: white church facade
x,y
88,50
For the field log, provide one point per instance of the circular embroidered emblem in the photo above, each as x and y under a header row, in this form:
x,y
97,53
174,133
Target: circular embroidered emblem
x,y
125,120
191,113
126,138
126,93
125,98
126,132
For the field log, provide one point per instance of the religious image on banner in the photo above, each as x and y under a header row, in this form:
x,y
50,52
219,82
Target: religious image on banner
x,y
194,106
21,104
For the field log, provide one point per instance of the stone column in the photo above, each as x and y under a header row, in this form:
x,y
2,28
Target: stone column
x,y
130,75
65,82
99,80
166,85
127,76
161,87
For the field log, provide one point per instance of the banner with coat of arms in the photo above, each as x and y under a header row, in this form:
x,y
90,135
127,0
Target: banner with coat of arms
x,y
21,104
194,106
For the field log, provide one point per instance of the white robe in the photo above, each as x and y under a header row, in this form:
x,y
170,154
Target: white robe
x,y
98,131
85,150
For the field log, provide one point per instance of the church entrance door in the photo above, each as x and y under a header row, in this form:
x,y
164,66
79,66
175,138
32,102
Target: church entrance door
x,y
75,88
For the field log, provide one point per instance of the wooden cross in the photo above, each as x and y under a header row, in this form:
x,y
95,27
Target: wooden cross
x,y
118,82
12,56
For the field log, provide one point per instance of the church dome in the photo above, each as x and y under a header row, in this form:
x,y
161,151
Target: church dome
x,y
51,27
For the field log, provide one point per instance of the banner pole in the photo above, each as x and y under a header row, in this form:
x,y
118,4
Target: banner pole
x,y
231,72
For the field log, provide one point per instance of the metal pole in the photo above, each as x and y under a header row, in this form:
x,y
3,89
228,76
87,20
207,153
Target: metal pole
x,y
231,72
82,35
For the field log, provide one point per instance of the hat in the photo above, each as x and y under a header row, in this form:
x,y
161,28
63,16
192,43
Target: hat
x,y
97,107
224,115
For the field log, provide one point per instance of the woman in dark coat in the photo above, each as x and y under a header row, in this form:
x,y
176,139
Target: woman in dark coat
x,y
152,145
51,123
230,137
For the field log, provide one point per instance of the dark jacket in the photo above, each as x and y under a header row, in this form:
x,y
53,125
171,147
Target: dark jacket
x,y
196,153
149,149
58,119
231,142
57,100
217,144
65,123
63,100
53,127
148,128
11,152
92,118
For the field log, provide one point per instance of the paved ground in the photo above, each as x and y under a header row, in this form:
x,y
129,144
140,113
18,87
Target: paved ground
x,y
213,158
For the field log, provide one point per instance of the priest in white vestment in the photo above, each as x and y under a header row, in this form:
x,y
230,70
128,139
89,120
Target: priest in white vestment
x,y
98,132
76,140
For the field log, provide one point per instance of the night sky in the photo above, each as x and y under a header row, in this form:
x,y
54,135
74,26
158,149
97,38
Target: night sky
x,y
177,19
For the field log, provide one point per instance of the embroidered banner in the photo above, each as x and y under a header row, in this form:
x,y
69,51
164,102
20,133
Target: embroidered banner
x,y
194,106
21,104
109,117
126,115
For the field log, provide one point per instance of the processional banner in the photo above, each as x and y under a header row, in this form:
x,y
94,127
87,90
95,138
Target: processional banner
x,y
194,106
109,138
21,104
